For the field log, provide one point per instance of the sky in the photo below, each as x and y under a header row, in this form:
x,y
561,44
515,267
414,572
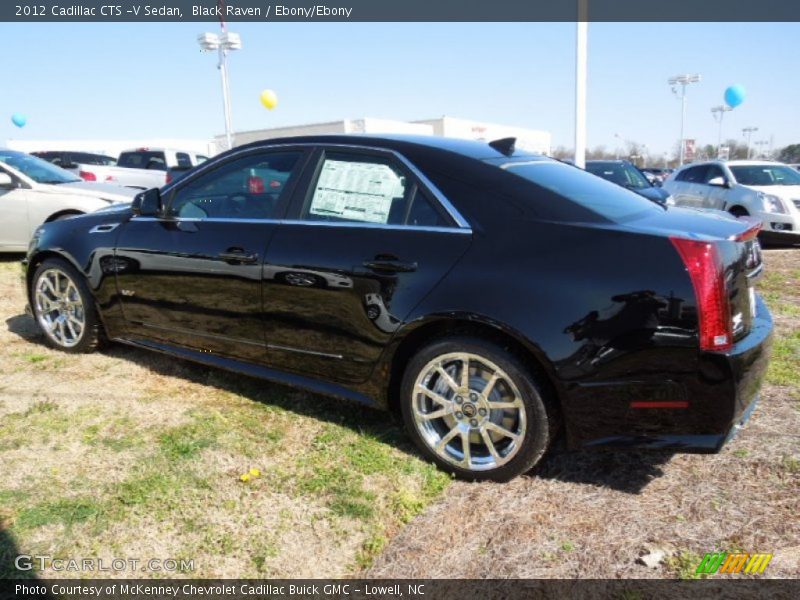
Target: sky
x,y
135,80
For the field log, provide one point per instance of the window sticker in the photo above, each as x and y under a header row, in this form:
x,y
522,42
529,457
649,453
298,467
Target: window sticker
x,y
356,191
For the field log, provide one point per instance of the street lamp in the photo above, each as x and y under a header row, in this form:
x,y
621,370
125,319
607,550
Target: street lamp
x,y
762,144
683,81
222,43
718,112
748,132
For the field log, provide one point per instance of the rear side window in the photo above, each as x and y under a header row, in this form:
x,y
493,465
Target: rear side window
x,y
599,196
143,160
369,189
693,174
359,189
184,160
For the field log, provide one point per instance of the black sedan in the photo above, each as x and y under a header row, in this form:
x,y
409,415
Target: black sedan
x,y
494,298
625,173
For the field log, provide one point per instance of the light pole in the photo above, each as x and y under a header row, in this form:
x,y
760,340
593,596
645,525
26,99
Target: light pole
x,y
762,144
223,43
581,41
616,147
683,81
718,112
748,132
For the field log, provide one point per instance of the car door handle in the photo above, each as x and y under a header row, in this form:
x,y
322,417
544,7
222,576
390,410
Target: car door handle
x,y
390,266
239,256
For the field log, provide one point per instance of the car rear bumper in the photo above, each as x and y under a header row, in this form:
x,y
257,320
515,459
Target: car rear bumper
x,y
720,399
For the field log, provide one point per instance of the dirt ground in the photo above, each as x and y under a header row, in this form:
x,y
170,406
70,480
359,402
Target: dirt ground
x,y
592,515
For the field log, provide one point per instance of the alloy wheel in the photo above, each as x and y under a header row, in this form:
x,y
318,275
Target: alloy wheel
x,y
469,411
59,308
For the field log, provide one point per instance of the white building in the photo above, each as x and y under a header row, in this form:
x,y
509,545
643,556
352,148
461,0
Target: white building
x,y
112,147
532,140
528,139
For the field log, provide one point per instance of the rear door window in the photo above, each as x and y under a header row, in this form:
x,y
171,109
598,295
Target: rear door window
x,y
362,189
143,159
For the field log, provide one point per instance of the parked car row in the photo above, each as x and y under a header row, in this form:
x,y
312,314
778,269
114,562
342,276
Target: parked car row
x,y
140,168
496,299
766,190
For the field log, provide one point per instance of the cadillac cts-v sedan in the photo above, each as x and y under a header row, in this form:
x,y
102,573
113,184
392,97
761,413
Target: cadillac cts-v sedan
x,y
496,299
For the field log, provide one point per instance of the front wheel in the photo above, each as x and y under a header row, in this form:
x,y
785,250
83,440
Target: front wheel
x,y
64,308
475,409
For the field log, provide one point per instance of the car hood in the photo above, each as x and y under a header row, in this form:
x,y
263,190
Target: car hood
x,y
658,194
786,192
104,191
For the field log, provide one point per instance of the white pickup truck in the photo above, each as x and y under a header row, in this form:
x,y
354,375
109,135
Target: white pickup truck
x,y
141,168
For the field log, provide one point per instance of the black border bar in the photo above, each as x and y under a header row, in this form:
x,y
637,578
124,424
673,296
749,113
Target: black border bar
x,y
33,11
388,589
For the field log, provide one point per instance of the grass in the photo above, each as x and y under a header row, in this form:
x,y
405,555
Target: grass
x,y
127,453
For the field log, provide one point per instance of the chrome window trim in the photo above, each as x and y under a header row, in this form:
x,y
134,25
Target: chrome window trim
x,y
451,210
346,224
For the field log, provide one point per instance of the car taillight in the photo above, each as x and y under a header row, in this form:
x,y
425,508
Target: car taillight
x,y
87,176
704,264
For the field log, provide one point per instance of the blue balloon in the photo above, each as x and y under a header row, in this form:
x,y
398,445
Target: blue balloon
x,y
19,120
734,96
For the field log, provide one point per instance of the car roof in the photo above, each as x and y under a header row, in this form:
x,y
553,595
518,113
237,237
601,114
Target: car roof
x,y
469,148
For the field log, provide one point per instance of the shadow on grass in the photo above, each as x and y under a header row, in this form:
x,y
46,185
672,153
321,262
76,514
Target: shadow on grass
x,y
377,424
8,556
626,472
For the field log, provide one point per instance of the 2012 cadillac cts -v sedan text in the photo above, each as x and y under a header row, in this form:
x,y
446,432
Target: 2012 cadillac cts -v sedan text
x,y
494,298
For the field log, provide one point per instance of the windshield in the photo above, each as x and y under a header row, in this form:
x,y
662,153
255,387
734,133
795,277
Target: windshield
x,y
599,196
620,173
766,175
37,169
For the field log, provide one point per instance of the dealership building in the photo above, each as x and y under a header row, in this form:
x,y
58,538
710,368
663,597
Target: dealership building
x,y
528,139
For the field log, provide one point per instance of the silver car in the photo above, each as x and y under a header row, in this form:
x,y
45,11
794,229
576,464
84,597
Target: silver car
x,y
34,191
767,190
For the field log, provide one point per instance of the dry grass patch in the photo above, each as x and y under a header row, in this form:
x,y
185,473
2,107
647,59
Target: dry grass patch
x,y
124,453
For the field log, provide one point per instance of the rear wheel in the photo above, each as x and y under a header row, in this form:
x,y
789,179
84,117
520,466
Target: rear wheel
x,y
475,409
64,308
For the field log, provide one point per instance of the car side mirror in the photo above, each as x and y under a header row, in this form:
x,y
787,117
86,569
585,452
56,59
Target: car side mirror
x,y
147,204
6,182
719,182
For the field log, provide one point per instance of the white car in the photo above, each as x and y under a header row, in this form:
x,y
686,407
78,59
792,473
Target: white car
x,y
142,168
34,191
767,190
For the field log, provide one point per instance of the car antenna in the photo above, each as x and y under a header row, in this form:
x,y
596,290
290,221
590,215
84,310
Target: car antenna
x,y
504,145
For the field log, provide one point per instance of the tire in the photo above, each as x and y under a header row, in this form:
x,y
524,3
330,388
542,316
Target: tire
x,y
71,324
472,415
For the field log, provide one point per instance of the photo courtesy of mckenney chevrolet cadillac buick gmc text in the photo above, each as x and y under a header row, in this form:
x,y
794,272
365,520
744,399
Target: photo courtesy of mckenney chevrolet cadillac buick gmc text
x,y
495,298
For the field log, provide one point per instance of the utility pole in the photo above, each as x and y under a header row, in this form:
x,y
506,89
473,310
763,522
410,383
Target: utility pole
x,y
748,132
683,81
718,112
581,41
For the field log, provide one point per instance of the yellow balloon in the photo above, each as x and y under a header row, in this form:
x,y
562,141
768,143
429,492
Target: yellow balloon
x,y
269,99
